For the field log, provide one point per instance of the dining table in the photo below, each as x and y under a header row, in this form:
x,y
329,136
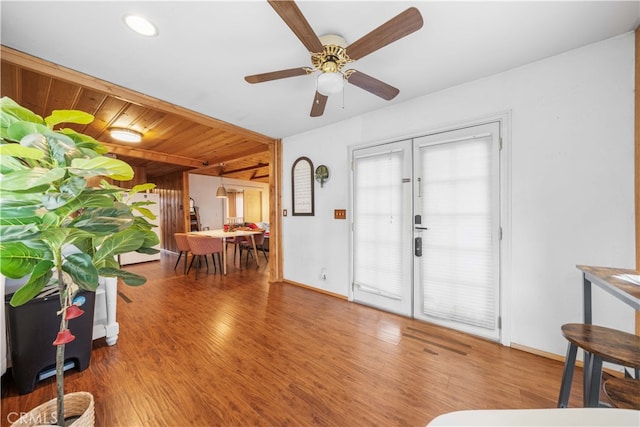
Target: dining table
x,y
623,284
226,234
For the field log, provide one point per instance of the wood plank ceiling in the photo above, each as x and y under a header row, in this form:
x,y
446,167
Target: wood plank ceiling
x,y
174,139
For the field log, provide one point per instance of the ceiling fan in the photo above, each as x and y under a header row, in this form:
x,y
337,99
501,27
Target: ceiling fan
x,y
330,53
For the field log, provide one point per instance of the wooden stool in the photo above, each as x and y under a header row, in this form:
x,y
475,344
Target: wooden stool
x,y
600,344
623,392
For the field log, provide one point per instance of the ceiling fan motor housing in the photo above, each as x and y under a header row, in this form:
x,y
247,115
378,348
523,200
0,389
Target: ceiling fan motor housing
x,y
334,55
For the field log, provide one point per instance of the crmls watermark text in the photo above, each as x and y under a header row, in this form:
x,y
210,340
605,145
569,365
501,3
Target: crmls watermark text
x,y
34,419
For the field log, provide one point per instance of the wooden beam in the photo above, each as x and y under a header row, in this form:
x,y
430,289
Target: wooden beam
x,y
155,156
238,155
66,74
637,162
248,168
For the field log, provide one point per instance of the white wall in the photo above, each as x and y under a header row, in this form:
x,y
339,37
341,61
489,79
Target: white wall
x,y
202,189
572,197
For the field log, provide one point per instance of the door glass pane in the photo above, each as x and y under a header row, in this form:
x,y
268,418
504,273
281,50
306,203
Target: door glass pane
x,y
457,267
377,229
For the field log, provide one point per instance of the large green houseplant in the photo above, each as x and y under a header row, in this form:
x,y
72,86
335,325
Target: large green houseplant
x,y
54,226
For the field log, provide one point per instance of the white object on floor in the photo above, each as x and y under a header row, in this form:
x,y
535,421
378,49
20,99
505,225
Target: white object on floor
x,y
540,417
104,315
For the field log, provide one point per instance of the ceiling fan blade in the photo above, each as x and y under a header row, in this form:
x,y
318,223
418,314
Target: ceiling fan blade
x,y
292,16
373,85
394,29
319,102
275,75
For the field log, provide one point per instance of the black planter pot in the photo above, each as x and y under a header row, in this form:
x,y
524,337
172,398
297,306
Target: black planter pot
x,y
31,330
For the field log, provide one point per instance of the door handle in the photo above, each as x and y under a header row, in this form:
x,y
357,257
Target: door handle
x,y
418,246
422,228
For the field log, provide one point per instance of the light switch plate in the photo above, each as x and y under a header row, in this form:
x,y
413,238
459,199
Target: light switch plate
x,y
340,213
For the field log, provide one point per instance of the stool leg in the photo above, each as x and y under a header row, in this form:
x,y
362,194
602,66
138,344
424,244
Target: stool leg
x,y
567,375
588,372
595,377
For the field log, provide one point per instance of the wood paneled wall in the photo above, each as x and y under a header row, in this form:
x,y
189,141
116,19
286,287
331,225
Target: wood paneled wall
x,y
172,209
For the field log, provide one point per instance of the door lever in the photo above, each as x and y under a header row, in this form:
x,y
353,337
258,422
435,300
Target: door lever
x,y
421,228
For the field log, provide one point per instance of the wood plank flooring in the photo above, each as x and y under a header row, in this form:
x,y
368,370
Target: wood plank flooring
x,y
237,350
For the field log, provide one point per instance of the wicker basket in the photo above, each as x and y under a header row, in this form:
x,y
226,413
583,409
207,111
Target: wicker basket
x,y
75,404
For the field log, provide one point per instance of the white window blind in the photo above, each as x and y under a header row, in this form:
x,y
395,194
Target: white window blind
x,y
458,267
377,223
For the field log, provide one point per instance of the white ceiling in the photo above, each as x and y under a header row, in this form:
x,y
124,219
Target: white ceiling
x,y
204,49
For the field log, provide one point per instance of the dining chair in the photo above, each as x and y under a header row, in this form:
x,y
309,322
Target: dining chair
x,y
183,247
235,241
201,246
246,244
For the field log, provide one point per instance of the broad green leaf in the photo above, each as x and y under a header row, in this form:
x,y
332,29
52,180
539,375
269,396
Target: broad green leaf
x,y
22,213
150,239
107,263
40,276
59,237
63,149
119,243
104,220
30,179
39,142
19,205
17,233
102,166
129,278
17,150
69,190
10,164
17,259
81,269
95,200
141,187
148,251
10,108
22,220
85,142
68,116
144,212
19,130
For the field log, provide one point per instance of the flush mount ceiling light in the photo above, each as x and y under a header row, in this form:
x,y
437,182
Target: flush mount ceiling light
x,y
126,135
141,25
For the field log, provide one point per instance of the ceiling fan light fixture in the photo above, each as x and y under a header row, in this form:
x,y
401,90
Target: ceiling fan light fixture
x,y
141,25
330,83
126,135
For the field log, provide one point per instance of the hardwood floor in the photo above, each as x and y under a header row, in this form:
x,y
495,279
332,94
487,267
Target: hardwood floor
x,y
237,350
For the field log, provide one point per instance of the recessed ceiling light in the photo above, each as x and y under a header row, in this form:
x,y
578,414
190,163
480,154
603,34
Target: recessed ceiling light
x,y
141,25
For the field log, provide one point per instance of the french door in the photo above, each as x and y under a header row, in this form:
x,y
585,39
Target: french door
x,y
426,231
382,235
